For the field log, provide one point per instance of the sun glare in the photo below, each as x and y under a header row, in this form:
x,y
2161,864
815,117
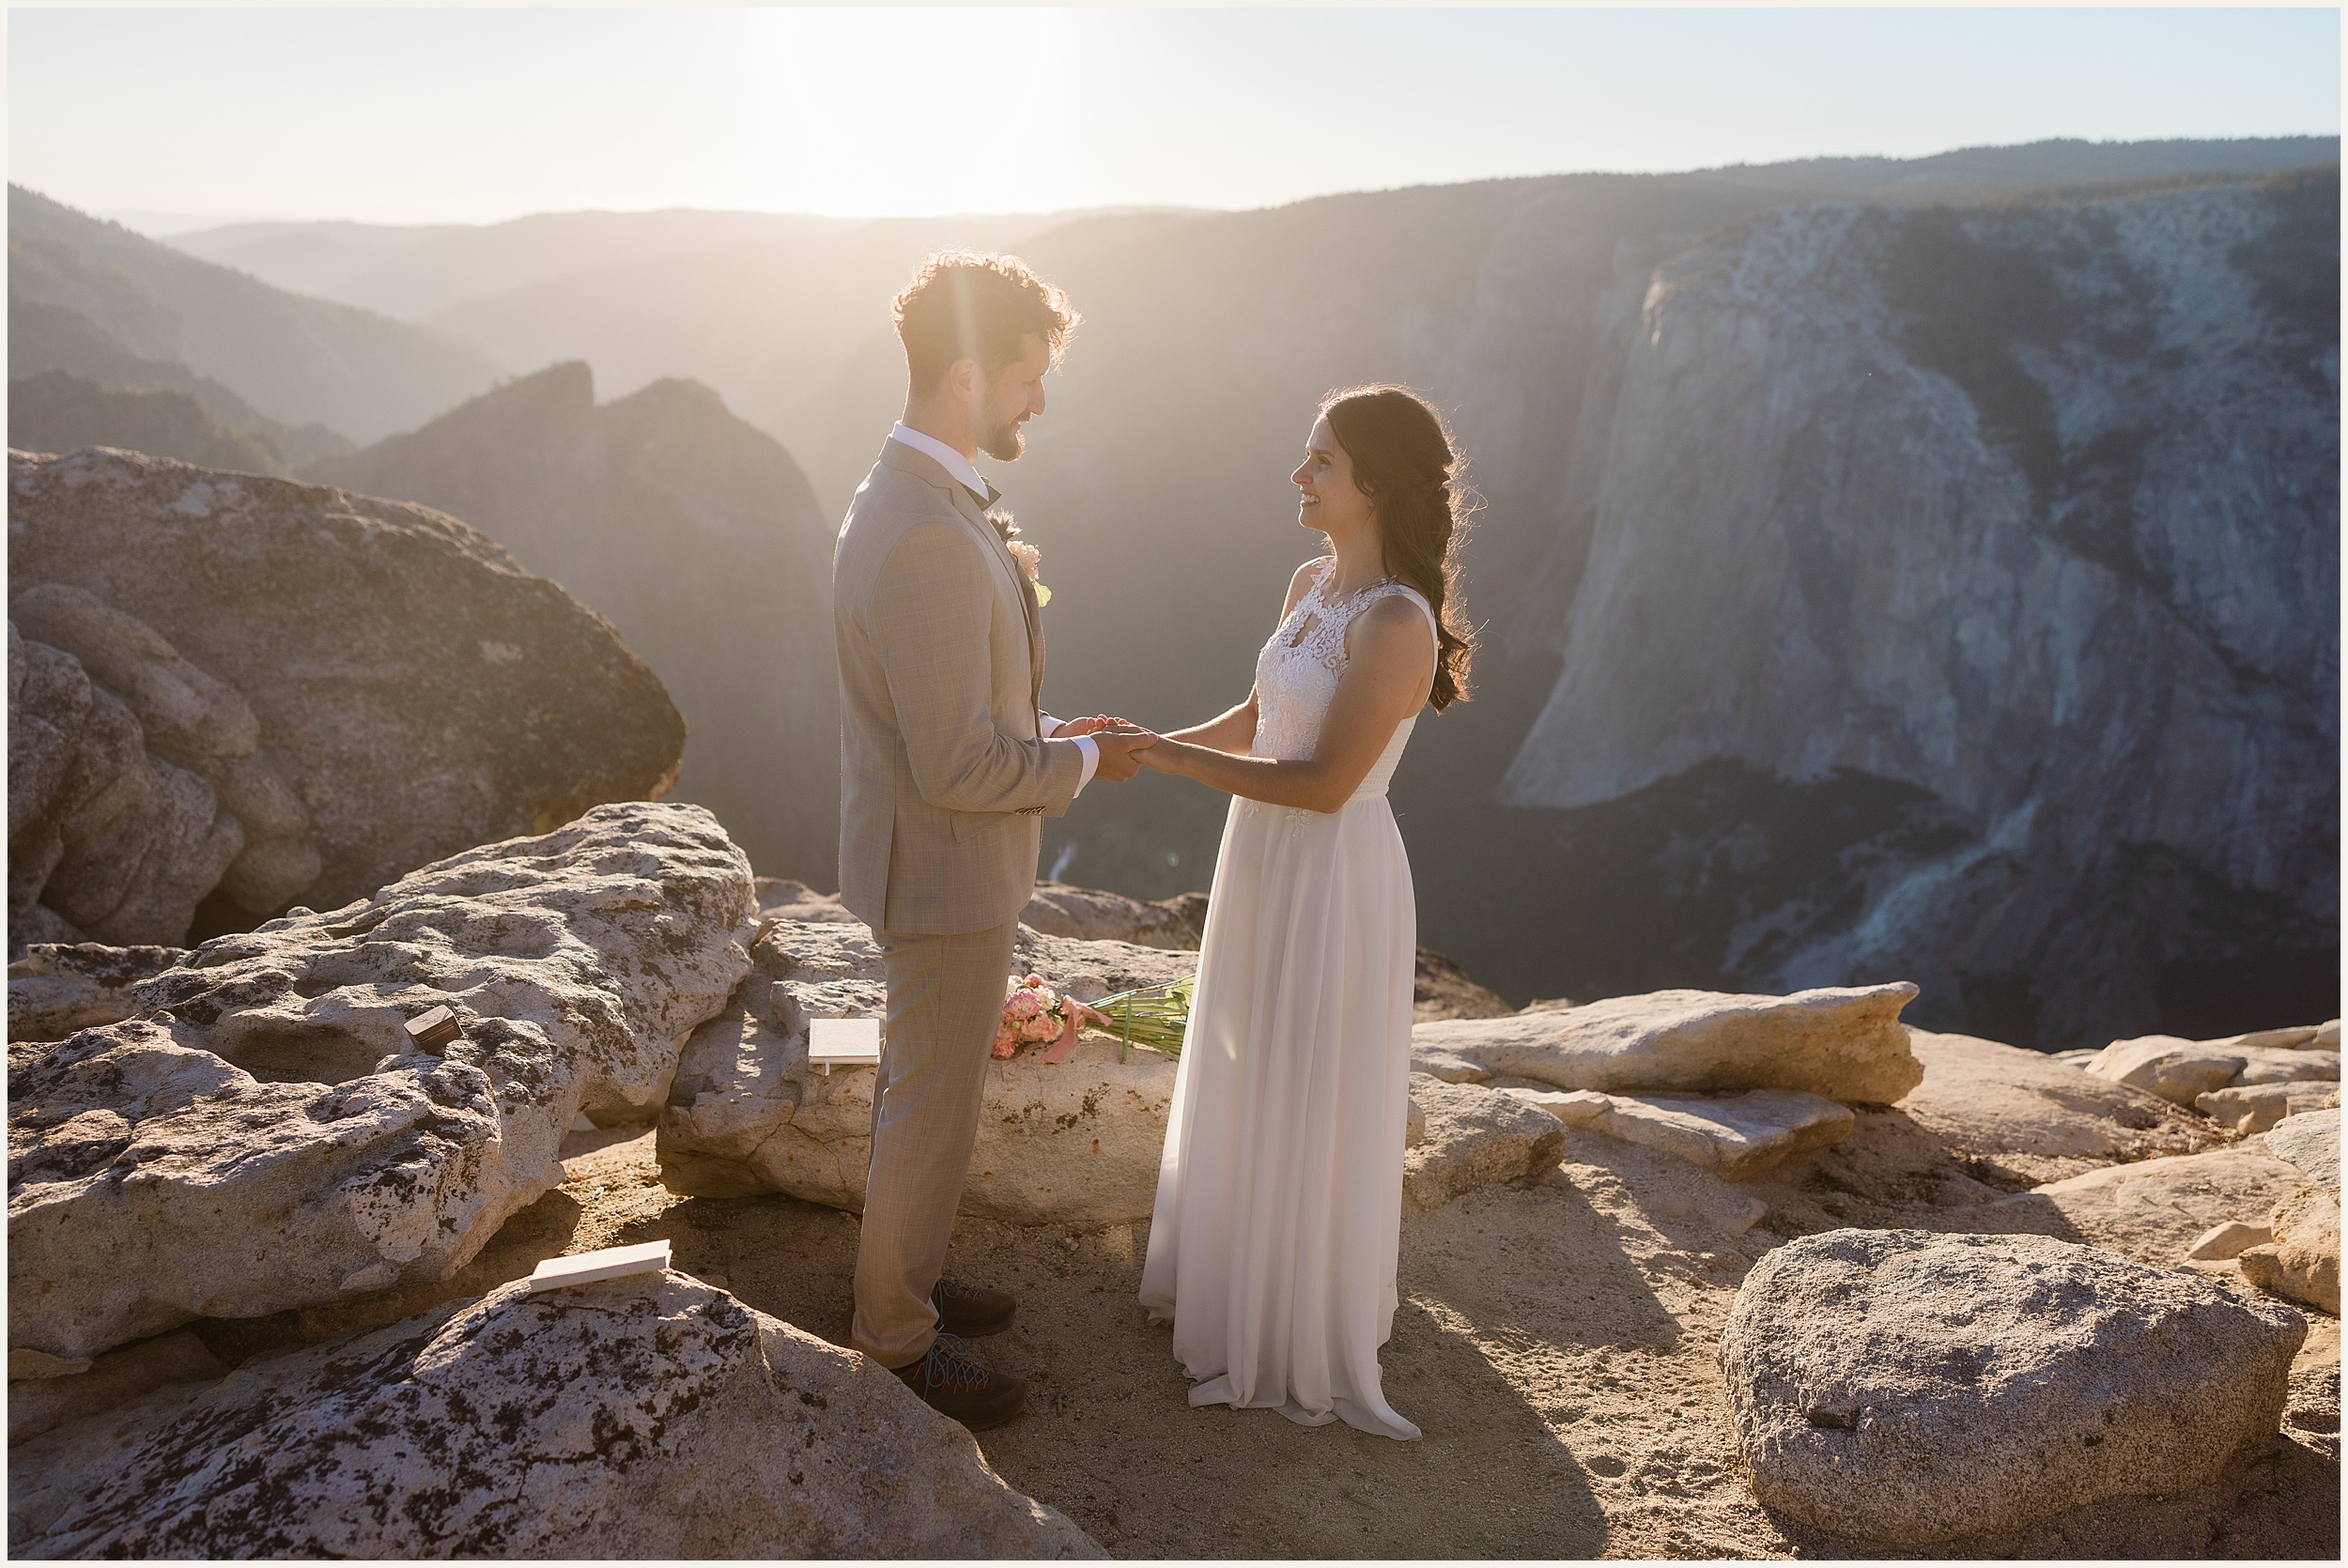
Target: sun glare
x,y
983,74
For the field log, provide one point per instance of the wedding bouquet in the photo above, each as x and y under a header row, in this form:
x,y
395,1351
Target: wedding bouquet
x,y
1154,1016
1033,1013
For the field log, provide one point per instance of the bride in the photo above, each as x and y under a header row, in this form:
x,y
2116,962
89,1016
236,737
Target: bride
x,y
1272,1241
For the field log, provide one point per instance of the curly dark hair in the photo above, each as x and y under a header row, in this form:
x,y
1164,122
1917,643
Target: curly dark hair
x,y
1405,462
962,305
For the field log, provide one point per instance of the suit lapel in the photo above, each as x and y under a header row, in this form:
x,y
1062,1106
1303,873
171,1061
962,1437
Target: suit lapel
x,y
971,508
896,454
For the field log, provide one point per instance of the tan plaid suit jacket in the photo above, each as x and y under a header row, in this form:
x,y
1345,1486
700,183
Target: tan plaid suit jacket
x,y
943,776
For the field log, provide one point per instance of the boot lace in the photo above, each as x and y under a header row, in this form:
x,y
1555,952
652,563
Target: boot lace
x,y
948,1368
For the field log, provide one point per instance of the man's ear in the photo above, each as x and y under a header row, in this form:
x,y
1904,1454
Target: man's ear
x,y
965,379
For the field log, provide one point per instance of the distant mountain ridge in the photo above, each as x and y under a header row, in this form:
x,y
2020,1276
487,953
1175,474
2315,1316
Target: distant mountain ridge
x,y
298,361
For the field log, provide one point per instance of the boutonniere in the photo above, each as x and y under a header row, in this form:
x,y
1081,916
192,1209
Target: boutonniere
x,y
1030,559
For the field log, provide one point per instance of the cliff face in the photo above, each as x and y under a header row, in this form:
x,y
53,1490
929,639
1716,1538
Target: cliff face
x,y
697,535
1991,556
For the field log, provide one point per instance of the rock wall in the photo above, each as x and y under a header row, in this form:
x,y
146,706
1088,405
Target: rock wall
x,y
2012,535
280,693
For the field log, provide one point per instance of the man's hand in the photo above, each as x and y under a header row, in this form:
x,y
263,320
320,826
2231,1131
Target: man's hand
x,y
1121,752
1093,726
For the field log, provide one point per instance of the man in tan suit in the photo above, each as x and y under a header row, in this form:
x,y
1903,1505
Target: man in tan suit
x,y
948,766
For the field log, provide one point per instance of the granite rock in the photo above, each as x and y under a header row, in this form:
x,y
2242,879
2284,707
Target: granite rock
x,y
1907,1387
2249,1107
2312,1142
55,990
114,1378
2302,1261
1076,1142
2026,1116
2151,1210
1845,1044
1475,1137
406,688
1089,915
646,1417
2228,1240
1734,1136
266,1135
2178,1070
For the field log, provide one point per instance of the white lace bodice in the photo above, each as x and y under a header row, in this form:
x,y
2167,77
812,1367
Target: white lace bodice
x,y
1297,673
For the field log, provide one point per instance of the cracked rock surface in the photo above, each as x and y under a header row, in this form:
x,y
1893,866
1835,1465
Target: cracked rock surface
x,y
1074,1143
1908,1387
265,1136
647,1417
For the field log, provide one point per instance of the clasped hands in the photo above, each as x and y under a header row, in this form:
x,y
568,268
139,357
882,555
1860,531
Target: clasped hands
x,y
1123,744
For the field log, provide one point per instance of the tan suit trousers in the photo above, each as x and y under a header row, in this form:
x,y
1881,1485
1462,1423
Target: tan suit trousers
x,y
945,999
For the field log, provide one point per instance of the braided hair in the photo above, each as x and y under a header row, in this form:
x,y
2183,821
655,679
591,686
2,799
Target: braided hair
x,y
1405,463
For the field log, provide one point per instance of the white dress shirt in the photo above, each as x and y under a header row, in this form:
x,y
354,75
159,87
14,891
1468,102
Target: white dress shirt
x,y
965,474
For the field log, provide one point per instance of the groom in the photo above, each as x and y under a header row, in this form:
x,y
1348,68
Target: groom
x,y
948,766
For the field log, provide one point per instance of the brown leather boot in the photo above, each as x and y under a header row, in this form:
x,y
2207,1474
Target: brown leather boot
x,y
972,1311
954,1385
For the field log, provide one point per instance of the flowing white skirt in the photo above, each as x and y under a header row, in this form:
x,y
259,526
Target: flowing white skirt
x,y
1280,1206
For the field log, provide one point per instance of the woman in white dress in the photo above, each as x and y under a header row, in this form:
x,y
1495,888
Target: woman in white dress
x,y
1278,1213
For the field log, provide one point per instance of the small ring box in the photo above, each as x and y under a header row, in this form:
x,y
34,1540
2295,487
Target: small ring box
x,y
434,1031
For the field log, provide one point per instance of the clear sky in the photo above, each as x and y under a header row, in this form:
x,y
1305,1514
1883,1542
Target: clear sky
x,y
474,115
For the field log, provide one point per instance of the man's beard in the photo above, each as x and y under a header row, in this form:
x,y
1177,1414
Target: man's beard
x,y
1003,442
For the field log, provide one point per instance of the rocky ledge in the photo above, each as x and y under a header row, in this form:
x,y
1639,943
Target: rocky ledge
x,y
267,1133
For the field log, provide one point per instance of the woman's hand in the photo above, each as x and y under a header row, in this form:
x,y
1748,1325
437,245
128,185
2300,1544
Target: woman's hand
x,y
1164,757
1093,726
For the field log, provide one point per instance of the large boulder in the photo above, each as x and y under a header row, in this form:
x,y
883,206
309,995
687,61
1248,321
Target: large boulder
x,y
2303,1260
1734,1136
1908,1387
37,1404
266,1134
1439,989
2182,1070
2027,1115
1075,1142
1845,1044
645,1417
107,837
2312,1142
2153,1210
1090,914
368,683
1472,1137
2250,1108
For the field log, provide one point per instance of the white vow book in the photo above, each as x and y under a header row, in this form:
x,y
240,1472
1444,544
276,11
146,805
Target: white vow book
x,y
846,1042
648,1257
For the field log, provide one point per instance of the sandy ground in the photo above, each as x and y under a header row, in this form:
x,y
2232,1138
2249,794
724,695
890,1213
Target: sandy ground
x,y
1555,1340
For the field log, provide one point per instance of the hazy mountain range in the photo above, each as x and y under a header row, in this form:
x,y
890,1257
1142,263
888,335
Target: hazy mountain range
x,y
1155,487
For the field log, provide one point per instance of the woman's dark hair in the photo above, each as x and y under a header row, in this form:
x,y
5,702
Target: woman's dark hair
x,y
1405,463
